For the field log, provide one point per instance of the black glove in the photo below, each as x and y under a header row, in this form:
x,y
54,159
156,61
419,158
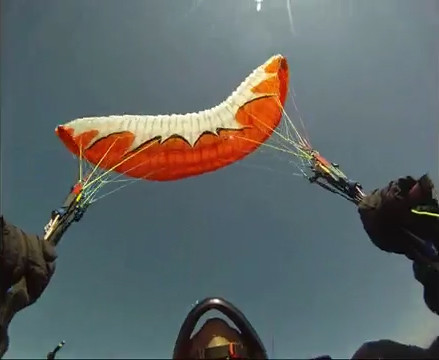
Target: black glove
x,y
386,214
25,257
27,264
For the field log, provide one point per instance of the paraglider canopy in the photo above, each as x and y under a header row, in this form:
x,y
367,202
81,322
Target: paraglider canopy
x,y
176,146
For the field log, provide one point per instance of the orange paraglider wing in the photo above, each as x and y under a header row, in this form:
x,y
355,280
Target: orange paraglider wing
x,y
171,147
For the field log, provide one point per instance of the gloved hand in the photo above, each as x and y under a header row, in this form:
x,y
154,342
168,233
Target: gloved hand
x,y
386,214
25,257
27,264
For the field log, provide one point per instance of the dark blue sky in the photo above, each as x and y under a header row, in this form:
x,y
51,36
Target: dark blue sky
x,y
294,258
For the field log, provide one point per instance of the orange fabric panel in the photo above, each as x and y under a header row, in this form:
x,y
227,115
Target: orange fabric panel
x,y
175,158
